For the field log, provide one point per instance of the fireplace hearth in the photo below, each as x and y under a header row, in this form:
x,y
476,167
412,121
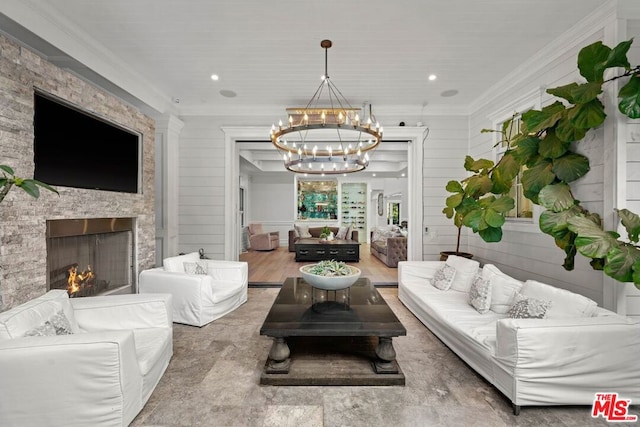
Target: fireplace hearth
x,y
91,256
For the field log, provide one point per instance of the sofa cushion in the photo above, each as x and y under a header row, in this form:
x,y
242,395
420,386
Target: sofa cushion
x,y
564,303
525,307
444,277
302,230
466,270
176,263
28,317
503,288
198,267
342,232
480,294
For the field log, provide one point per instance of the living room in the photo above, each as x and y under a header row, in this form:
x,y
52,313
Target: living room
x,y
191,178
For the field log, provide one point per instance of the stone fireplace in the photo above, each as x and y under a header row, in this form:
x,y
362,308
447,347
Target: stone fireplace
x,y
91,256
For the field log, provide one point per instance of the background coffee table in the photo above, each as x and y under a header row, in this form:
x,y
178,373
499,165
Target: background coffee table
x,y
316,250
331,342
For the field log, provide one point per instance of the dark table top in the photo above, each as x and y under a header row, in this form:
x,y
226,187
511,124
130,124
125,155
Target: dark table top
x,y
303,241
301,310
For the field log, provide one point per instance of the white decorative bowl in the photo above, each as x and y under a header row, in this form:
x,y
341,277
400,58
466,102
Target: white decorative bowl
x,y
330,283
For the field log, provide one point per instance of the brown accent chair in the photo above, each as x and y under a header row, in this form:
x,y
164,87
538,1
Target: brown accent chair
x,y
261,240
389,248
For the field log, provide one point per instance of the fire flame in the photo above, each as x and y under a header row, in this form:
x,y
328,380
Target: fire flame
x,y
78,279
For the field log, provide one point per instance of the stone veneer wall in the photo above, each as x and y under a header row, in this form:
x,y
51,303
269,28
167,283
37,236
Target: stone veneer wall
x,y
23,219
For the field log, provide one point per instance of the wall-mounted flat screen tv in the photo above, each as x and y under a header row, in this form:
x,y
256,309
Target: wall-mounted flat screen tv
x,y
73,148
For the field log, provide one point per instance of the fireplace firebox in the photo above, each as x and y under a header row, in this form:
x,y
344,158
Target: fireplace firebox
x,y
91,256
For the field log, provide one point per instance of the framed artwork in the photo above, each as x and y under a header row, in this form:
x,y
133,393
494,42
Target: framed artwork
x,y
380,204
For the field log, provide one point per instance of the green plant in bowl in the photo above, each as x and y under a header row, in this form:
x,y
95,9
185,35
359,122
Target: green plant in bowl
x,y
330,275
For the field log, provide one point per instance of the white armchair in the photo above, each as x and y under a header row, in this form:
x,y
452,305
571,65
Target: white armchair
x,y
203,290
82,361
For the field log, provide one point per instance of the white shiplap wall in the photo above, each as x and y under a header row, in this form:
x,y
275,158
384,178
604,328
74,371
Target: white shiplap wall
x,y
633,165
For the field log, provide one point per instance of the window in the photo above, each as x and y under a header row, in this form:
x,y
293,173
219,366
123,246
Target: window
x,y
393,213
525,214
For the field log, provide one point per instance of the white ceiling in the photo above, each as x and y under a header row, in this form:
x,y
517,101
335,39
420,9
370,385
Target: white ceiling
x,y
161,53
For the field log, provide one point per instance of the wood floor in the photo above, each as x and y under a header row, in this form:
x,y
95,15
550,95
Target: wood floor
x,y
275,266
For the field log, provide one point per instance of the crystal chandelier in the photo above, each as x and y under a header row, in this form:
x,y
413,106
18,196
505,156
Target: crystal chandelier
x,y
326,139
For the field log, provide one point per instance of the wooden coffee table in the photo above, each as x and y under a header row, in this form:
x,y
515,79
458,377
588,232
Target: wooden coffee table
x,y
316,250
331,337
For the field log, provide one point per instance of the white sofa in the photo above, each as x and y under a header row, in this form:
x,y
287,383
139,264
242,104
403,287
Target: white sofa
x,y
575,351
203,290
97,366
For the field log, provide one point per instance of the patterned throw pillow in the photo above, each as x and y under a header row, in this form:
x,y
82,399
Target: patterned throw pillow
x,y
480,294
528,308
444,277
198,267
342,232
303,230
46,330
61,324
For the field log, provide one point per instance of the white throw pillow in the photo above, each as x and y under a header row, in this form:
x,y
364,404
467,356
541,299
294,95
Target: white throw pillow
x,y
176,263
525,307
503,288
564,303
480,294
466,270
444,277
342,232
303,231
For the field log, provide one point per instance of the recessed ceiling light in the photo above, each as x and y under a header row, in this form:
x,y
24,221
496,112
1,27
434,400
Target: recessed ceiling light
x,y
215,77
228,93
432,77
449,93
373,174
402,175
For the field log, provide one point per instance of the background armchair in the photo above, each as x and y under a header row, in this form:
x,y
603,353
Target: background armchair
x,y
202,290
260,240
99,369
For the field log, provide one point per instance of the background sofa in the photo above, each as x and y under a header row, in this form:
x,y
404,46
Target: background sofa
x,y
389,245
315,234
576,350
91,361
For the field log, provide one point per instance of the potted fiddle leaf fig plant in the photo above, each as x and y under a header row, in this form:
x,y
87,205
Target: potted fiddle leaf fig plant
x,y
8,180
543,148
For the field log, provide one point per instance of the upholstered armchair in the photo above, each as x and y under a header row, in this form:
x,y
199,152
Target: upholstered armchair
x,y
260,240
203,290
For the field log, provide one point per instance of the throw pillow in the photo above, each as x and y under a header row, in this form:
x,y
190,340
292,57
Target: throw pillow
x,y
342,232
528,308
198,267
466,270
480,294
503,288
565,303
61,324
444,277
45,330
176,263
303,231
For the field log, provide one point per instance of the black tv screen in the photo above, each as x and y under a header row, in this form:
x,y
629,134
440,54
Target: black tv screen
x,y
75,149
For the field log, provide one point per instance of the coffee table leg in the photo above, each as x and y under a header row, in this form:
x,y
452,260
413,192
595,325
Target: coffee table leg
x,y
279,360
386,362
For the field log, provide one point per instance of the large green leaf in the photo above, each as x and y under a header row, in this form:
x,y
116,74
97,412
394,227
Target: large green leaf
x,y
618,55
478,185
629,96
448,212
587,116
502,204
474,220
636,274
556,224
454,200
504,173
537,177
476,165
631,223
570,167
620,261
586,92
526,150
491,234
537,120
454,187
592,241
566,131
551,146
565,92
592,60
556,197
493,218
7,169
30,187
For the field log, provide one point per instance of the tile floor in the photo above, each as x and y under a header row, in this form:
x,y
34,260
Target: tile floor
x,y
213,380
